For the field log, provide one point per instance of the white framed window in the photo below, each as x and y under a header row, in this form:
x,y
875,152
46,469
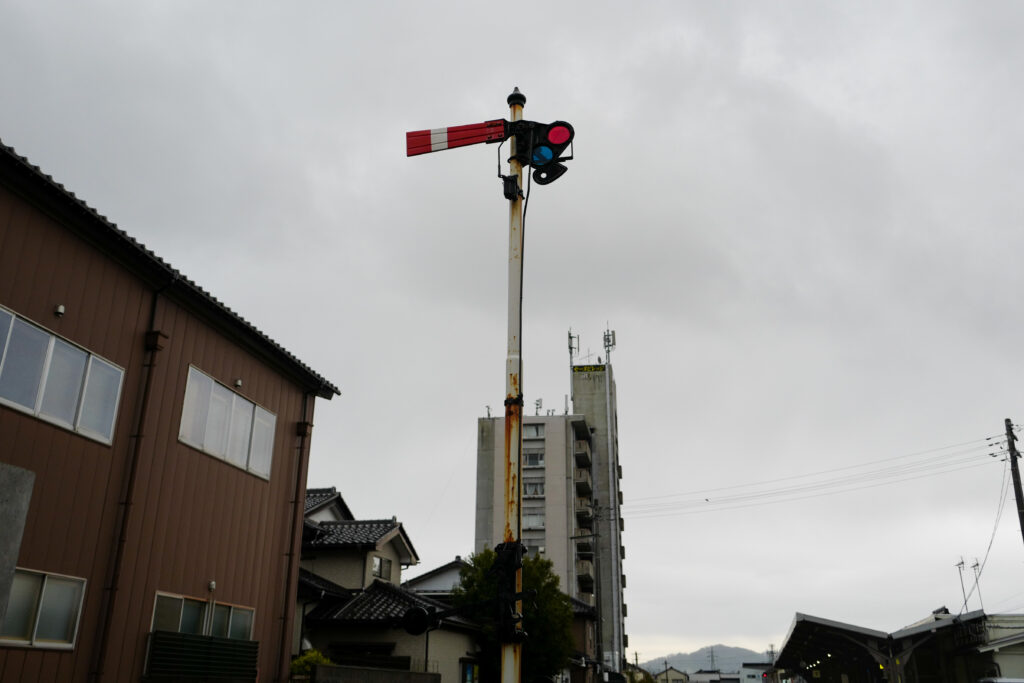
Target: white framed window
x,y
535,431
43,610
382,568
227,426
57,381
533,519
181,614
533,458
533,487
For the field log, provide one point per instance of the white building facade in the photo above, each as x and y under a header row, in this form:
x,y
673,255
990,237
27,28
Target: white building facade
x,y
571,499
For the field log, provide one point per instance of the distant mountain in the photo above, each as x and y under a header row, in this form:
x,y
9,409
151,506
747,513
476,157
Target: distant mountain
x,y
727,659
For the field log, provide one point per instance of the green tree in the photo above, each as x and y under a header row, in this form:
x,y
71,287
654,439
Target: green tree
x,y
547,617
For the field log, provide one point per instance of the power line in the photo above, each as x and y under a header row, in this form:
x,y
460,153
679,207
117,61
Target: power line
x,y
701,501
1005,489
979,443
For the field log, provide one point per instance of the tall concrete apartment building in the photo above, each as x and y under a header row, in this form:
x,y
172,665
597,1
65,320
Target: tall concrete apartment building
x,y
571,498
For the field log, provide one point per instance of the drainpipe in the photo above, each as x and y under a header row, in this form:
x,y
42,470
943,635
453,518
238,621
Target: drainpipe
x,y
154,342
304,430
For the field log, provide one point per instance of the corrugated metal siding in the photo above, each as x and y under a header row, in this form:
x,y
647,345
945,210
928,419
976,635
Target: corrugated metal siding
x,y
192,518
70,528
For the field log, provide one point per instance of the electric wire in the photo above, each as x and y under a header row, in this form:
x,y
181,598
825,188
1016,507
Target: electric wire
x,y
1005,486
947,462
811,474
814,485
732,505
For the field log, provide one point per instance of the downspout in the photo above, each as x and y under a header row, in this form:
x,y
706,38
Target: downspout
x,y
304,430
154,341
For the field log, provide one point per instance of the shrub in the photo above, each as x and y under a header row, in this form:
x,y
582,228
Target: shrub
x,y
303,664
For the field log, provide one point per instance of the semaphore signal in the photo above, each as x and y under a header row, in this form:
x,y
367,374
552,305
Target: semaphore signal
x,y
540,145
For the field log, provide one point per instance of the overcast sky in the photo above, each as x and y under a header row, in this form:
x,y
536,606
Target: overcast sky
x,y
802,219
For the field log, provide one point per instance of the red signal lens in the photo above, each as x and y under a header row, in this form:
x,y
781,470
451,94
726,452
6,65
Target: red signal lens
x,y
558,135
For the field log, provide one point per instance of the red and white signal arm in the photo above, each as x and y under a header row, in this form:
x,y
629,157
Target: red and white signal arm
x,y
437,139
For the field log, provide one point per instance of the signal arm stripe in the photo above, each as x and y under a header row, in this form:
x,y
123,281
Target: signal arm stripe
x,y
438,139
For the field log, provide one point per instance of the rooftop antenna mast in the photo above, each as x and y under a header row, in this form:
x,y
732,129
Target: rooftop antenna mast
x,y
574,350
609,344
977,578
963,591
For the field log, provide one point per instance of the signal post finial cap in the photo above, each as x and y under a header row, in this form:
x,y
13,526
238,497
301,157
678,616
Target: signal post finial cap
x,y
516,98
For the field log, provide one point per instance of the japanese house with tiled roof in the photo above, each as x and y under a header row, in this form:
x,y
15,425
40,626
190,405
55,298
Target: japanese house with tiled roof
x,y
351,603
169,439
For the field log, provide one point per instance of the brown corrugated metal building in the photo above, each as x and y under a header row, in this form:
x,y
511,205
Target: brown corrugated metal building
x,y
169,440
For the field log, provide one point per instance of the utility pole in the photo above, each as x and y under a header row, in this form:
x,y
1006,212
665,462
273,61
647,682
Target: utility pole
x,y
1011,444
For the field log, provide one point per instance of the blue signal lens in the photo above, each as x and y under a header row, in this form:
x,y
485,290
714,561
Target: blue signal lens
x,y
542,154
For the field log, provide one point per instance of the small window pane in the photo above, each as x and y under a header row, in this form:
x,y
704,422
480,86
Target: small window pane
x,y
23,367
216,439
221,618
21,607
58,613
262,449
167,615
192,613
241,623
241,429
100,399
5,328
196,408
533,431
63,382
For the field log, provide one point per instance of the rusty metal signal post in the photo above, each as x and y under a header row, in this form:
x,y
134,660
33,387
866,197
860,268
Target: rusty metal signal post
x,y
540,146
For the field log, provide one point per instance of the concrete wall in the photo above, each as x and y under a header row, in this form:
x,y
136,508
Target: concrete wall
x,y
593,395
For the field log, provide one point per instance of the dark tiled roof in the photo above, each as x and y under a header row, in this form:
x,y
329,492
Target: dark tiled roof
x,y
317,497
458,563
317,586
355,533
382,604
98,227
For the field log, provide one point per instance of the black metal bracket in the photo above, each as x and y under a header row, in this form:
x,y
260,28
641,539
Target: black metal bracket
x,y
511,187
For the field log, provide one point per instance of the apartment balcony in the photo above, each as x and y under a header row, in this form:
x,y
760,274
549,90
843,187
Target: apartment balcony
x,y
585,574
584,482
584,541
584,514
588,599
582,451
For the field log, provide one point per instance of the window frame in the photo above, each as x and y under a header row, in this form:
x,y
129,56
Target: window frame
x,y
379,564
539,455
536,514
196,412
42,381
33,641
208,615
534,488
533,431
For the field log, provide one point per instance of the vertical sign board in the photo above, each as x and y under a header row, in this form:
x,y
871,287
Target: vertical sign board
x,y
15,494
